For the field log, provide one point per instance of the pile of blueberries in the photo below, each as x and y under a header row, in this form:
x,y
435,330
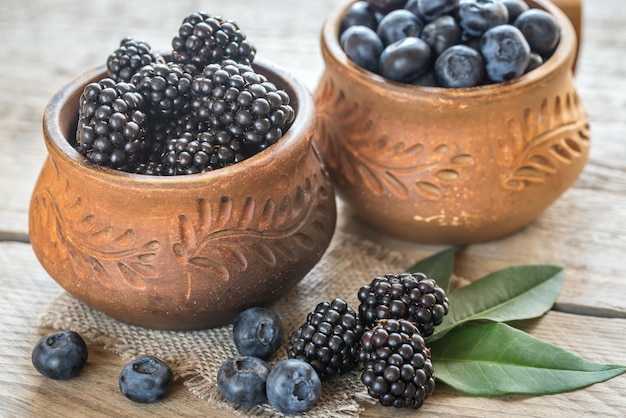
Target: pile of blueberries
x,y
448,43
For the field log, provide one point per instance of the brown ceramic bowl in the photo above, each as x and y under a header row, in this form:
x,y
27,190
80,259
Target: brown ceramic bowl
x,y
181,252
450,165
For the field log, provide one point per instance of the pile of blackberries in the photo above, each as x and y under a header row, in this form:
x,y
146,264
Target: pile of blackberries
x,y
448,43
384,336
205,109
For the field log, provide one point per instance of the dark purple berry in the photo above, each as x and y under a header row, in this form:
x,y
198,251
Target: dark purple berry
x,y
506,52
258,332
242,380
60,355
146,379
405,60
534,61
363,46
204,39
540,30
329,338
129,58
460,66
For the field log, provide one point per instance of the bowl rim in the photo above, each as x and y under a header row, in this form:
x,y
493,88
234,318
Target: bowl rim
x,y
58,144
564,52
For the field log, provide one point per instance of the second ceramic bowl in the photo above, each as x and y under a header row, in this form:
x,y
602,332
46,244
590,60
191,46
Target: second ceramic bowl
x,y
451,165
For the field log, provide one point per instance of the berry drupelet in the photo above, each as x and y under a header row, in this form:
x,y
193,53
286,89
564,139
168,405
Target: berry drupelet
x,y
397,370
112,124
329,339
411,296
204,39
129,58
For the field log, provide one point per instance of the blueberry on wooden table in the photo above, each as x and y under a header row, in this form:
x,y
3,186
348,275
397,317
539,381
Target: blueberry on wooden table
x,y
60,355
242,380
146,379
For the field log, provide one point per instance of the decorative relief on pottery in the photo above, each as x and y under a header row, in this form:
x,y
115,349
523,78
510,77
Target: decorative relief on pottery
x,y
228,235
555,134
93,251
377,159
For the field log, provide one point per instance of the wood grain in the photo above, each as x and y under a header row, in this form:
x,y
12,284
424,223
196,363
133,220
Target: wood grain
x,y
47,43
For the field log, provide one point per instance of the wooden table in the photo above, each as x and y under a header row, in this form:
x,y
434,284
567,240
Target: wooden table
x,y
47,43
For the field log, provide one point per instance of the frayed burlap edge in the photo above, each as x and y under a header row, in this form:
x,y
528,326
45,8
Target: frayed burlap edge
x,y
195,356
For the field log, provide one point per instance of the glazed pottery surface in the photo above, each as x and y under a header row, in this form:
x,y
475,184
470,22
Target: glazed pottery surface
x,y
188,251
451,165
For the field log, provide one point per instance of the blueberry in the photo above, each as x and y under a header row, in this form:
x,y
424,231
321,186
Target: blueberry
x,y
363,46
405,60
60,355
506,52
540,29
146,379
460,66
476,16
426,80
515,8
293,386
441,34
535,61
359,13
398,25
258,332
242,380
385,6
432,9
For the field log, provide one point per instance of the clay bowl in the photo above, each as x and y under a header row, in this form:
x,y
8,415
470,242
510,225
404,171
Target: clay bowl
x,y
181,252
459,166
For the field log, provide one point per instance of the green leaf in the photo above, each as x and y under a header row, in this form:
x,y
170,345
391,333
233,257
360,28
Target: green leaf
x,y
513,293
496,359
438,266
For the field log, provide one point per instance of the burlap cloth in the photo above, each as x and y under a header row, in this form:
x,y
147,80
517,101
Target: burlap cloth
x,y
195,357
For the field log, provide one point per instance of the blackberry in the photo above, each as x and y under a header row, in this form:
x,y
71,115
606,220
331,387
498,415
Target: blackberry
x,y
397,368
411,296
233,97
203,39
206,151
165,88
329,339
129,58
112,124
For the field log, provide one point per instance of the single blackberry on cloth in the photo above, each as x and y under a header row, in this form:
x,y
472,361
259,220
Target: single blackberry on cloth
x,y
204,39
165,88
233,97
412,296
129,58
112,124
329,339
397,366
